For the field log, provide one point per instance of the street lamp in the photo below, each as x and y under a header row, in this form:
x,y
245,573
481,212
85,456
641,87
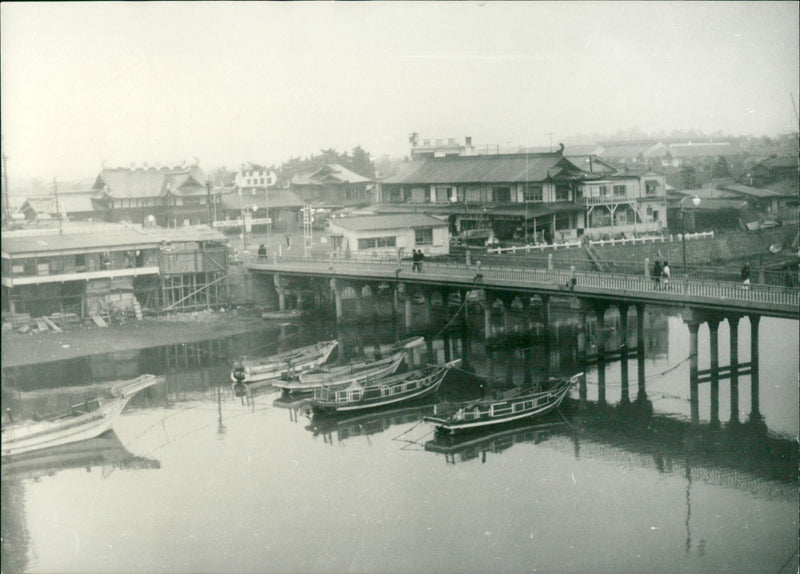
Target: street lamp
x,y
696,202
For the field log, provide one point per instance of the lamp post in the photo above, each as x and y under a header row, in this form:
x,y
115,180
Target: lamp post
x,y
696,202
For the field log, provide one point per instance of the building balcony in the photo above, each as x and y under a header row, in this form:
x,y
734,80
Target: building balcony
x,y
616,199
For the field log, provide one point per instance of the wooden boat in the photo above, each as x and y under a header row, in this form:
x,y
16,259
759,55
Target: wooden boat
x,y
341,376
484,413
381,392
282,364
83,421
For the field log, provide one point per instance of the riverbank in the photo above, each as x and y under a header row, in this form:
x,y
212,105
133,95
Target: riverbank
x,y
19,349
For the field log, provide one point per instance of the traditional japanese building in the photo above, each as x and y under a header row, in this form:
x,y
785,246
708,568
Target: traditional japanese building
x,y
333,185
171,196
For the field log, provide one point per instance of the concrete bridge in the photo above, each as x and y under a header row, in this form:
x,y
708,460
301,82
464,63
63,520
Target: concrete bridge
x,y
707,297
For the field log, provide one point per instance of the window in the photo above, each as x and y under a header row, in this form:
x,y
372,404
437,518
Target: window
x,y
80,262
417,195
502,194
562,193
473,195
562,221
263,180
191,201
423,236
442,194
375,242
603,190
532,192
651,187
619,191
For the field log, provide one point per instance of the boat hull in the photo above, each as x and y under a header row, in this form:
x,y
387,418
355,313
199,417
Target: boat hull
x,y
483,415
311,380
26,437
382,392
283,365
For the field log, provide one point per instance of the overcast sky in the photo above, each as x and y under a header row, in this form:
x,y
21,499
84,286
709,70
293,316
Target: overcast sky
x,y
84,83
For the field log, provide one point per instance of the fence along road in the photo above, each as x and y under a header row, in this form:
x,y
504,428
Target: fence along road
x,y
766,300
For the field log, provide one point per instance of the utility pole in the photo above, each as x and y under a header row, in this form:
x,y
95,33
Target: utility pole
x,y
58,208
6,200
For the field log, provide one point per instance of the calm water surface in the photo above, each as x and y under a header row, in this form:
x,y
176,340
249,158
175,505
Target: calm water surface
x,y
196,479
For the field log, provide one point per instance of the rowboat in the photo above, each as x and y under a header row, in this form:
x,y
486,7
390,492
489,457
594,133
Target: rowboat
x,y
341,376
83,421
282,364
370,422
484,413
381,392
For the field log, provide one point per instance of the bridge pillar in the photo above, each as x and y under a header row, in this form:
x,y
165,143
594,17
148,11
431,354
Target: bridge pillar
x,y
623,325
337,297
281,289
545,312
462,293
713,328
582,331
733,324
408,309
600,308
755,410
395,302
445,293
694,394
358,290
641,393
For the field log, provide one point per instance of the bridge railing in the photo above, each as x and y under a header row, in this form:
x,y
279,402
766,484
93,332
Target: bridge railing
x,y
520,276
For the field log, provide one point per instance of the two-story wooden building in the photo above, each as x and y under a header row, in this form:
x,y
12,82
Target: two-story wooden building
x,y
530,197
98,269
171,196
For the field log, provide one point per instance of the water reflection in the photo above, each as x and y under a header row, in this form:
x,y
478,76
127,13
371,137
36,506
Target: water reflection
x,y
260,445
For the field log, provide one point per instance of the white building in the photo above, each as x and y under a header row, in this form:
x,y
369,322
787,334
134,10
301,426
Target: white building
x,y
391,235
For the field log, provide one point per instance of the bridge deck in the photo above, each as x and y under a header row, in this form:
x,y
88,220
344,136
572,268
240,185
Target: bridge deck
x,y
764,300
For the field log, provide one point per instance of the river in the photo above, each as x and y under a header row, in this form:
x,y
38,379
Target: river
x,y
196,479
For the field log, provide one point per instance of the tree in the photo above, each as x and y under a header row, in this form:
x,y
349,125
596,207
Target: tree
x,y
688,177
721,168
361,162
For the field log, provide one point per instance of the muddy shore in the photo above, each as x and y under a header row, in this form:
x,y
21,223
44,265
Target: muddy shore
x,y
20,349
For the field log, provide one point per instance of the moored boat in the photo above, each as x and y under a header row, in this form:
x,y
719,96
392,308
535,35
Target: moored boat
x,y
282,364
375,393
343,375
484,413
83,421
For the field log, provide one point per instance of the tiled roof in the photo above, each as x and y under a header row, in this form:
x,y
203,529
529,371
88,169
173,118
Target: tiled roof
x,y
150,182
104,237
591,164
751,191
277,198
331,173
396,221
20,245
514,168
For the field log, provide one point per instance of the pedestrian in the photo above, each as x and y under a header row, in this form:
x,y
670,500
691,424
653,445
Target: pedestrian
x,y
657,273
414,260
745,275
262,251
421,259
288,241
665,274
788,281
572,279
